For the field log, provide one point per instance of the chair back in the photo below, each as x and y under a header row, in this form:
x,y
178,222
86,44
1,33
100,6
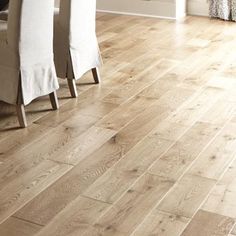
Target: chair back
x,y
30,29
79,16
77,27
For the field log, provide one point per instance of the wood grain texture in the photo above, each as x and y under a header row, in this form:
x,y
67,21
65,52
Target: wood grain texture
x,y
17,227
19,191
187,196
209,224
127,212
218,155
77,218
162,224
221,199
148,151
181,155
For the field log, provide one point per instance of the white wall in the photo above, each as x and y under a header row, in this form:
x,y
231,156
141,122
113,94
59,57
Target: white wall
x,y
198,7
162,8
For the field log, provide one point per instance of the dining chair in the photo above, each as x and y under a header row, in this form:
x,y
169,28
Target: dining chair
x,y
76,49
27,70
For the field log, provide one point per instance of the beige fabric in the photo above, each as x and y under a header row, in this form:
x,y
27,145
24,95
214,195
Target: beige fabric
x,y
28,53
75,42
4,15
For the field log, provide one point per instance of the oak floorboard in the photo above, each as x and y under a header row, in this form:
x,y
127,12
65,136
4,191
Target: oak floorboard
x,y
185,151
187,195
94,165
17,227
77,218
16,193
222,198
162,224
209,224
217,157
127,213
135,154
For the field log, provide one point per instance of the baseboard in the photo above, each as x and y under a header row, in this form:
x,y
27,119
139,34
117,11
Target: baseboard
x,y
165,9
136,14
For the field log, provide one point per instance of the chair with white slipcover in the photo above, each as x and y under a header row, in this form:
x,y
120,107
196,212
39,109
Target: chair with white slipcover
x,y
75,43
27,70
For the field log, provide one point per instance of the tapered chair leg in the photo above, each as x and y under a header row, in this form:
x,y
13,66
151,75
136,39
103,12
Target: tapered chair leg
x,y
96,75
54,100
72,87
20,109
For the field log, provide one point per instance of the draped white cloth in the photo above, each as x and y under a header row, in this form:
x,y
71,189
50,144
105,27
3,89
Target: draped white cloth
x,y
26,51
75,42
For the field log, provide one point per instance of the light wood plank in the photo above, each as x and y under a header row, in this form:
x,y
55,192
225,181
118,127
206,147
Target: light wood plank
x,y
209,224
84,145
127,213
119,178
222,198
19,191
125,113
163,224
76,218
168,90
17,227
213,162
187,196
181,155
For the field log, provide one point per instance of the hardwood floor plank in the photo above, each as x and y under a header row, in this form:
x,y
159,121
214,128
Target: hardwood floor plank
x,y
17,227
127,213
68,188
222,198
118,179
187,196
181,155
34,111
201,103
37,134
19,191
95,164
157,71
213,162
56,144
20,139
75,219
160,87
127,112
163,224
85,144
209,224
145,150
86,99
219,112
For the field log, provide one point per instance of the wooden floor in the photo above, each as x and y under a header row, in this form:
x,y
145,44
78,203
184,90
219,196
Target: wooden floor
x,y
149,152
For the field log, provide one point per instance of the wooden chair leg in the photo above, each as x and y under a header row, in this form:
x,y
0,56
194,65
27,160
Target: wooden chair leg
x,y
72,87
54,100
96,75
20,109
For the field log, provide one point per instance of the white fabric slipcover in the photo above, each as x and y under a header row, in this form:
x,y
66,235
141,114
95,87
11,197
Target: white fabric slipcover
x,y
75,43
26,51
